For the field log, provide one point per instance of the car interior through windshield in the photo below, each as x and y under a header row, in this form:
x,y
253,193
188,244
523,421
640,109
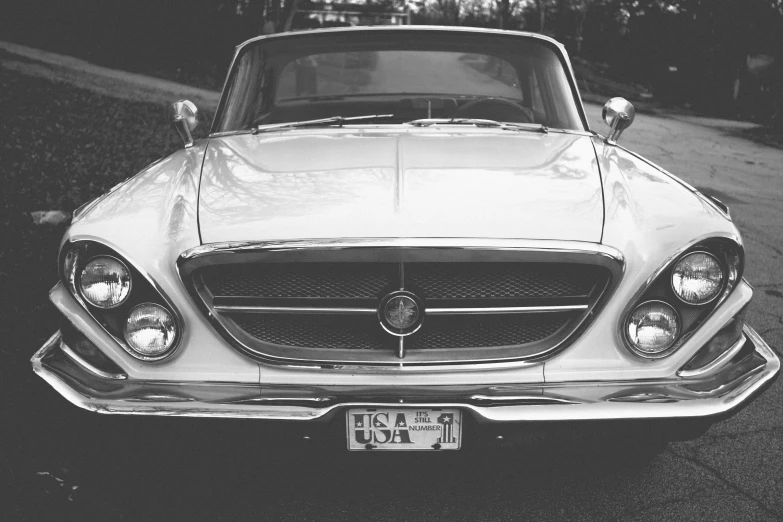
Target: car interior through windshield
x,y
427,76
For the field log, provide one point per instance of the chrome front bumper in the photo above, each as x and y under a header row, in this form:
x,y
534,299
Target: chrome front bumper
x,y
716,395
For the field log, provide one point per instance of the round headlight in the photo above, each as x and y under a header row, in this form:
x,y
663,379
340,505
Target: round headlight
x,y
150,330
105,282
652,328
697,278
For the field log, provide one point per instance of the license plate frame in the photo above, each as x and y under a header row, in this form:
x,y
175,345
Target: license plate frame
x,y
392,428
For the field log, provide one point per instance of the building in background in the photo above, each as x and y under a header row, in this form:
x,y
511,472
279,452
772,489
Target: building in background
x,y
328,13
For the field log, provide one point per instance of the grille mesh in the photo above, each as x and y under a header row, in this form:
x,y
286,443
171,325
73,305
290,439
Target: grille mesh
x,y
352,332
484,331
313,280
373,280
498,280
312,331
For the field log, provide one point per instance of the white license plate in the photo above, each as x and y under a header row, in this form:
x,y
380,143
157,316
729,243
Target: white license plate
x,y
404,428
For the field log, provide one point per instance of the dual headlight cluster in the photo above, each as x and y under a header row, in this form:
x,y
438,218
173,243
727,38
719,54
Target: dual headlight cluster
x,y
679,299
122,302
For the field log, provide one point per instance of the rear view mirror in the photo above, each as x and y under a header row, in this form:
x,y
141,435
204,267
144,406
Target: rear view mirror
x,y
184,117
619,114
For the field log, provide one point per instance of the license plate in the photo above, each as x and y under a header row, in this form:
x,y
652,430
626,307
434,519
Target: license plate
x,y
404,429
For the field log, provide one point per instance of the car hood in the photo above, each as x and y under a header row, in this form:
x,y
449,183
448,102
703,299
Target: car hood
x,y
371,183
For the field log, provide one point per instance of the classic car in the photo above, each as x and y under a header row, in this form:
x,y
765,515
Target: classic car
x,y
411,236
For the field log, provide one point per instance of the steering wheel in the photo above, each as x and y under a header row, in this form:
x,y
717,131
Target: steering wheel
x,y
497,109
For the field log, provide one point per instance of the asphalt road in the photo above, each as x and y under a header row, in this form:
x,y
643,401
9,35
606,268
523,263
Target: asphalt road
x,y
86,466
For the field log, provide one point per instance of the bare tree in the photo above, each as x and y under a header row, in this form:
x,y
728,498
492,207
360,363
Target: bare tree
x,y
290,9
274,16
450,10
504,13
571,16
541,6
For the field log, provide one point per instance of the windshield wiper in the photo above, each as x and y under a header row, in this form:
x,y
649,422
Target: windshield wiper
x,y
332,120
426,122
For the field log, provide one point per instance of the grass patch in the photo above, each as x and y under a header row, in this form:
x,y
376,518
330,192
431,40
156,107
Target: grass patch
x,y
60,147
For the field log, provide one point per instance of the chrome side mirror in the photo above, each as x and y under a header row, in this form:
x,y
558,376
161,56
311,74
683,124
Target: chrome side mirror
x,y
184,117
618,113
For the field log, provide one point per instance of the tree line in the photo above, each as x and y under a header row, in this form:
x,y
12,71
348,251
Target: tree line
x,y
721,56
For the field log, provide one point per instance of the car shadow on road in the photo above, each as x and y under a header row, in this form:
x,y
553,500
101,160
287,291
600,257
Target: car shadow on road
x,y
91,466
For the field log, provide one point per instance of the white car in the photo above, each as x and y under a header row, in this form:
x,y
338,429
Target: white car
x,y
409,234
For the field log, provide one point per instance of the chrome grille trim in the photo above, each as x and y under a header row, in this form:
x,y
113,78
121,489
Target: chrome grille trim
x,y
293,310
404,251
485,244
373,311
494,310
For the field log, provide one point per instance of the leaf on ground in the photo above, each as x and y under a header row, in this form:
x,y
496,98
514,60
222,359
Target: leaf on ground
x,y
50,217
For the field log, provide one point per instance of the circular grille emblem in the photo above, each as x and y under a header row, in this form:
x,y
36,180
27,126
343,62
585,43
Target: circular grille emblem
x,y
400,313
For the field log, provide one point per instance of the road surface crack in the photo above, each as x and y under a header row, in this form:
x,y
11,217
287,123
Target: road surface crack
x,y
762,242
657,505
716,473
709,440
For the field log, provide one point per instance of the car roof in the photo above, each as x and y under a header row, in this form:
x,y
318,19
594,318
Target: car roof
x,y
404,28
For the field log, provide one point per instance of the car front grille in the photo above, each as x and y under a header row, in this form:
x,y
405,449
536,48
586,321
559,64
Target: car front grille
x,y
373,280
325,309
485,331
316,331
364,333
497,280
307,280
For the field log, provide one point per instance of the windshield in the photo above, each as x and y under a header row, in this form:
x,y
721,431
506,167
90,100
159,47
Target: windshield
x,y
404,75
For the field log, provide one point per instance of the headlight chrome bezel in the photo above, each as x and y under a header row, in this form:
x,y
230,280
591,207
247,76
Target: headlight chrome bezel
x,y
669,348
74,256
175,333
728,252
721,287
80,287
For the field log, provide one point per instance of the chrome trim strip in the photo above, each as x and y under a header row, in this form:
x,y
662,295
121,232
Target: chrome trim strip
x,y
89,367
721,394
535,36
294,310
643,398
372,311
504,310
717,363
514,245
519,399
281,400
